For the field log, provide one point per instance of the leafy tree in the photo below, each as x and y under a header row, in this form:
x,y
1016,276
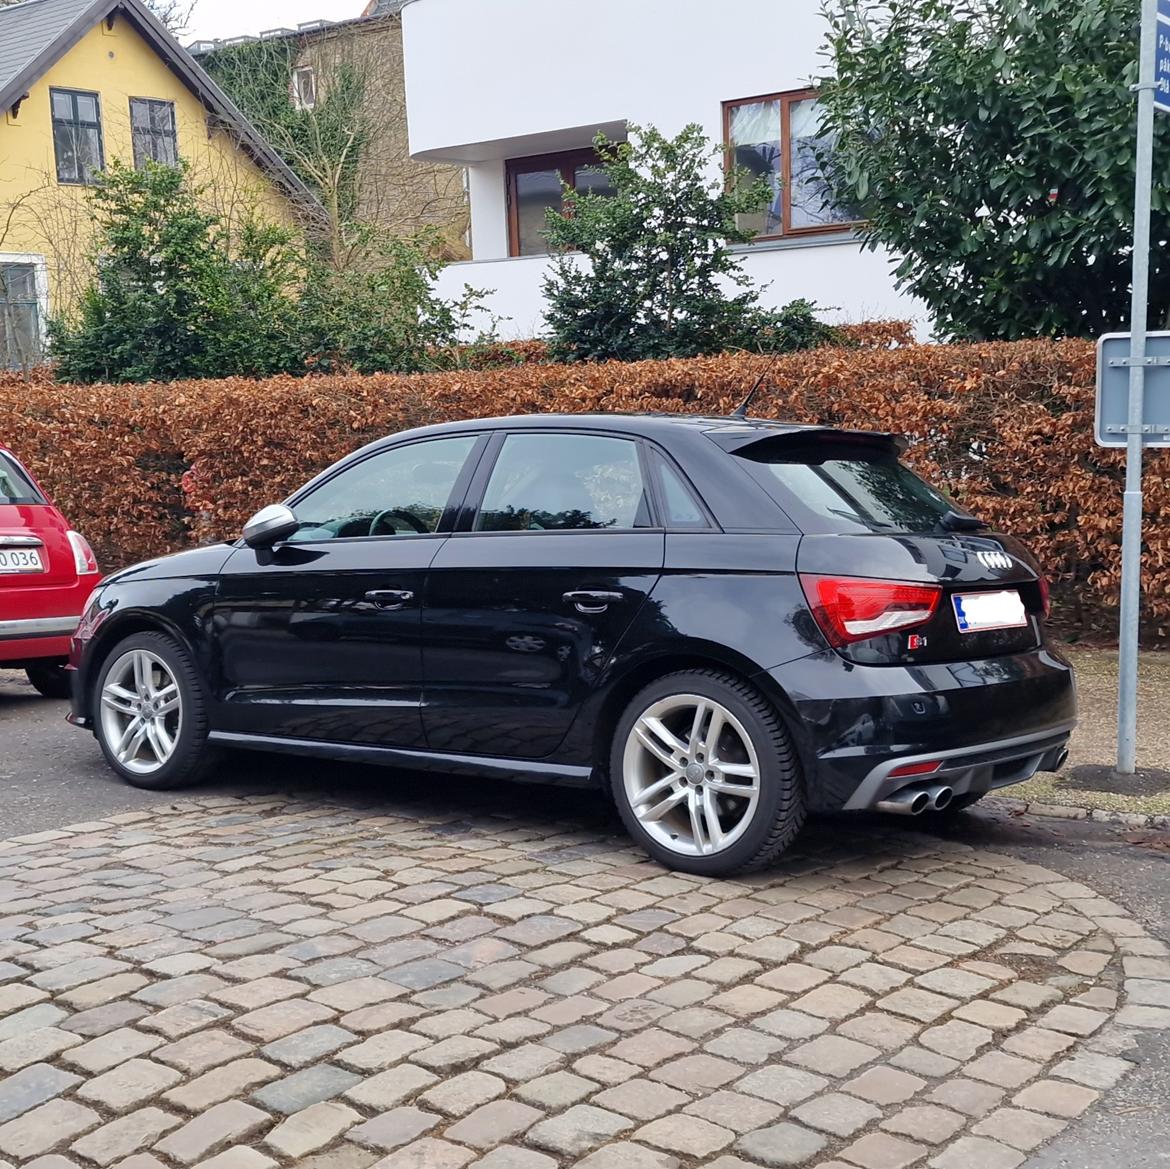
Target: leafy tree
x,y
171,296
383,313
660,280
990,144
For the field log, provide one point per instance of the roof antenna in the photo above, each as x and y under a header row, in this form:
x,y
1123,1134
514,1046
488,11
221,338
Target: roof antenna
x,y
741,410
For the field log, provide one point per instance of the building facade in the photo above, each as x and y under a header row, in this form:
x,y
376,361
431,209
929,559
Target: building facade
x,y
516,90
392,190
82,83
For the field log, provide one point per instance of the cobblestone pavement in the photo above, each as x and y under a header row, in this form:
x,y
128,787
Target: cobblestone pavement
x,y
240,983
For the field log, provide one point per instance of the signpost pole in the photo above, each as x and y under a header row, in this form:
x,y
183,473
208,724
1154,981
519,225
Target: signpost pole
x,y
1131,540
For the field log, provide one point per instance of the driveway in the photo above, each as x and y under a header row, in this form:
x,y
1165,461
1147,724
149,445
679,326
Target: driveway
x,y
321,966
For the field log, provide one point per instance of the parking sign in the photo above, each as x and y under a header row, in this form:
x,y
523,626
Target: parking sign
x,y
1162,59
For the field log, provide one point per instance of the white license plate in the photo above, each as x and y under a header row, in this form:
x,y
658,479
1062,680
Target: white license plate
x,y
975,612
21,560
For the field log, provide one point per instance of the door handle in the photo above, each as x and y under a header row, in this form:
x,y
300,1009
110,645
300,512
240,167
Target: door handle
x,y
390,598
592,600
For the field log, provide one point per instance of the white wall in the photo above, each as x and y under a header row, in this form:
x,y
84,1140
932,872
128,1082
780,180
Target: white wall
x,y
488,80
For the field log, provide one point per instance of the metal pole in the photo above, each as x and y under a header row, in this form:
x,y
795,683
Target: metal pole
x,y
1131,530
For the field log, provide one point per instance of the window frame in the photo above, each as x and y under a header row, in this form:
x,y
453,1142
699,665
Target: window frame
x,y
451,510
40,269
565,162
54,122
298,98
152,133
787,98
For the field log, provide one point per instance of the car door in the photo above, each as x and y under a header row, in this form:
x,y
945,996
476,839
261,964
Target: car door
x,y
526,606
319,638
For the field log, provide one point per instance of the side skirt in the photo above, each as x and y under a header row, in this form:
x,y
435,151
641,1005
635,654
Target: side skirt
x,y
479,766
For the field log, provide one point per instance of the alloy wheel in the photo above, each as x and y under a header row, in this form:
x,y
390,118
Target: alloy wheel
x,y
141,711
691,775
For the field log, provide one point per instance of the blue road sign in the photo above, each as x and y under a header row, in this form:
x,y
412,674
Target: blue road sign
x,y
1162,59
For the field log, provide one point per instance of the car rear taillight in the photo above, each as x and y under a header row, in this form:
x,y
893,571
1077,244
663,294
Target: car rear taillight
x,y
849,608
1045,597
83,558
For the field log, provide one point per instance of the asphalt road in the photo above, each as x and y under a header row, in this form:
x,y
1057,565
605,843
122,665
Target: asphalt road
x,y
52,774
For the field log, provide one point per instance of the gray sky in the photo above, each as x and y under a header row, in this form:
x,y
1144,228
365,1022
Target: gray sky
x,y
213,19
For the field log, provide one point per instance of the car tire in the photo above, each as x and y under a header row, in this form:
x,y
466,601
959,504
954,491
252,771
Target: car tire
x,y
139,680
711,805
49,680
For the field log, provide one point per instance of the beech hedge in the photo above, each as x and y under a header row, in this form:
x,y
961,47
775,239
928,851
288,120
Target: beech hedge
x,y
1006,427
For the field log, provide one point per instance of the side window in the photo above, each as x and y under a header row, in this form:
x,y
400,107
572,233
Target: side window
x,y
681,507
402,492
559,482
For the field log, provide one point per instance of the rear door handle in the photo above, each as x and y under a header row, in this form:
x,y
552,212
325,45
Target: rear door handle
x,y
390,598
592,600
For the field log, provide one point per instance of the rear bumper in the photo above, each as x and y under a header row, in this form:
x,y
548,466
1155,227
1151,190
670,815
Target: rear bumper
x,y
35,638
990,723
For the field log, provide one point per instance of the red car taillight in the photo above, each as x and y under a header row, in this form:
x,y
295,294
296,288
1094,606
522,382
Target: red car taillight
x,y
83,557
849,608
1045,597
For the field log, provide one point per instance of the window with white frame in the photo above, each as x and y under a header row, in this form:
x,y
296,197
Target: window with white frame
x,y
21,318
779,137
304,87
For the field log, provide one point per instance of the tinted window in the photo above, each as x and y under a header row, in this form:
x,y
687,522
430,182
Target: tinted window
x,y
682,508
402,492
554,482
14,484
851,489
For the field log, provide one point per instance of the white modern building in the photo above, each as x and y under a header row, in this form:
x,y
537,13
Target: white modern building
x,y
516,90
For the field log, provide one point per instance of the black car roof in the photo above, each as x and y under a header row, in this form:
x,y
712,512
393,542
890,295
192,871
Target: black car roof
x,y
728,432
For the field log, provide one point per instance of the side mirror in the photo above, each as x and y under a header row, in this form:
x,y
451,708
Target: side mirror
x,y
270,525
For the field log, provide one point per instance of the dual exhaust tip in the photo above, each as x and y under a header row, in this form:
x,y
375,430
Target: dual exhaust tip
x,y
913,801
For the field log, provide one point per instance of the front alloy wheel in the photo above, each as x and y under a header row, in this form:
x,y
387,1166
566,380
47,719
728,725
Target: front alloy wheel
x,y
141,712
150,713
704,774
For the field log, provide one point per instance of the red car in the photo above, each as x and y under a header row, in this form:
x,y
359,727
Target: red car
x,y
47,572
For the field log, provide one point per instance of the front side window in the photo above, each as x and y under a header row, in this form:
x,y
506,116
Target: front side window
x,y
152,125
401,492
20,316
778,138
536,186
77,134
564,482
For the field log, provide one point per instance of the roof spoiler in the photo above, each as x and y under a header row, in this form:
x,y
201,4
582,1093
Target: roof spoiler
x,y
739,439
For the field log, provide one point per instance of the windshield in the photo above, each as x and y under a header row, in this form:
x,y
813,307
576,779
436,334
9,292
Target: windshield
x,y
834,488
15,486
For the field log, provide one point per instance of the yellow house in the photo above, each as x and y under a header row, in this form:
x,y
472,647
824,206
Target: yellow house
x,y
85,82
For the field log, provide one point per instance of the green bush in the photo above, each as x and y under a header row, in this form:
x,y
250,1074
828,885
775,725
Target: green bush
x,y
659,265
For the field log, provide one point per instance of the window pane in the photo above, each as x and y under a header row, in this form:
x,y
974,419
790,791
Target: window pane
x,y
14,484
545,482
756,150
812,202
682,509
403,492
536,192
86,107
592,180
89,151
18,282
139,113
62,105
65,144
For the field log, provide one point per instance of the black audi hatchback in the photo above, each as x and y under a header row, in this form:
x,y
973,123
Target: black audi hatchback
x,y
728,623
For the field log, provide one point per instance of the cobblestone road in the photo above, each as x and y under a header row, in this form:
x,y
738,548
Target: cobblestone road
x,y
260,981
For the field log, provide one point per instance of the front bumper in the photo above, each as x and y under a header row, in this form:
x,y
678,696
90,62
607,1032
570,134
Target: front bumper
x,y
992,723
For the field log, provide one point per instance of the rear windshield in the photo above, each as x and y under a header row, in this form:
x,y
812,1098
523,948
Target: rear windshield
x,y
848,488
14,483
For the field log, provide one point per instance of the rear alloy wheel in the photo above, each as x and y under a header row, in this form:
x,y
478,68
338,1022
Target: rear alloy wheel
x,y
705,776
150,715
49,680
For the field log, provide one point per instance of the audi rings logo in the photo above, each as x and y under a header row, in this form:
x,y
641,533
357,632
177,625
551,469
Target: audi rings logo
x,y
994,559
